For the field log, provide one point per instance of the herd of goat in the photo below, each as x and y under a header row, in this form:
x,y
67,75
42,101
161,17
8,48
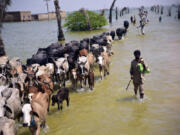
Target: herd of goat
x,y
26,90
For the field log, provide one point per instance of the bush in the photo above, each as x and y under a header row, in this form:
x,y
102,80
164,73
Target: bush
x,y
76,21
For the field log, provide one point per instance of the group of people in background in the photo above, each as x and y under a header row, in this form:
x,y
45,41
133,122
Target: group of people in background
x,y
143,19
143,15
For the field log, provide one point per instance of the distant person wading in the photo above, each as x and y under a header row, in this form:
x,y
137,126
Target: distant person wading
x,y
134,20
160,19
143,19
142,24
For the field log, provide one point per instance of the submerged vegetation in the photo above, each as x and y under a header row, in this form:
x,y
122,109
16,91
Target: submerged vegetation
x,y
77,21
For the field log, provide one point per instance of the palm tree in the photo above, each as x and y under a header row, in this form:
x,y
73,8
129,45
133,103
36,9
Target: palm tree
x,y
178,11
85,12
58,16
116,13
3,6
169,11
110,12
47,6
102,12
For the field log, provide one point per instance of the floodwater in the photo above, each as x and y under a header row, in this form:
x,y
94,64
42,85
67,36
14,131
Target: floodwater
x,y
110,109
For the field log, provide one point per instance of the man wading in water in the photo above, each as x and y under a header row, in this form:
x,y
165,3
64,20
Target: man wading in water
x,y
137,71
143,19
142,24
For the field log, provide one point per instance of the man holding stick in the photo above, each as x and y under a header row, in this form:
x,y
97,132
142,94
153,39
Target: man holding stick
x,y
137,71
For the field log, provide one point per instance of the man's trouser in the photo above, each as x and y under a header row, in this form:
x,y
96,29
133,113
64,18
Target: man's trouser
x,y
139,86
142,30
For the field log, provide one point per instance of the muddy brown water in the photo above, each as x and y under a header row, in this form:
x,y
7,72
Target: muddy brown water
x,y
109,109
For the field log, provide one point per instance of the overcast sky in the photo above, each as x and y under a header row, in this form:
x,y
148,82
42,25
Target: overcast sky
x,y
39,6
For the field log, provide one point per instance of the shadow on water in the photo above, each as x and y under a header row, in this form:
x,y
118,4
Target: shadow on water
x,y
25,131
140,36
133,98
88,32
98,78
127,99
54,109
72,89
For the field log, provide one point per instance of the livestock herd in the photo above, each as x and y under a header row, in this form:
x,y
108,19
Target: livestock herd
x,y
26,90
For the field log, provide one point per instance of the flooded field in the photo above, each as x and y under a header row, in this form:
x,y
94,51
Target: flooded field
x,y
110,109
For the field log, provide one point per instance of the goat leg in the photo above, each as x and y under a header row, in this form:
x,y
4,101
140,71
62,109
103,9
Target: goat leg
x,y
58,105
61,106
67,100
81,83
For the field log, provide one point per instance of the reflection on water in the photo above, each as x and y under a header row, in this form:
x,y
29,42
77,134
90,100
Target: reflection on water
x,y
110,109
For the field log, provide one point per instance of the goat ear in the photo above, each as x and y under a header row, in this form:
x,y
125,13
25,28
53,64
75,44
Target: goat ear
x,y
52,59
8,62
25,71
11,85
18,86
20,114
54,62
33,67
8,108
48,75
36,70
35,114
